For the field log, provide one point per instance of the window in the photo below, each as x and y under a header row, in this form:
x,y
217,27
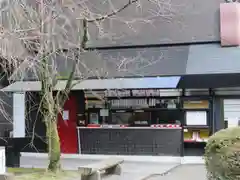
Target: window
x,y
167,116
131,118
93,118
121,117
140,119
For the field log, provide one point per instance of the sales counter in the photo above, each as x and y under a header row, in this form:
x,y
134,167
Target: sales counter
x,y
130,141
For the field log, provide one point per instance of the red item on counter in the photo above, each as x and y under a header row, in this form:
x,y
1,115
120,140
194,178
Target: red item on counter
x,y
166,125
94,125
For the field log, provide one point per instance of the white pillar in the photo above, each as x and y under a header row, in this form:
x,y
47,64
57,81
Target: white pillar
x,y
2,161
18,114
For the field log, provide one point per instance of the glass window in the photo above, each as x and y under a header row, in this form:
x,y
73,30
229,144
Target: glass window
x,y
166,117
140,118
121,117
93,118
133,119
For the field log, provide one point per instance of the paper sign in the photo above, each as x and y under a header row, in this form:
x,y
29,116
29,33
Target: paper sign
x,y
104,112
65,115
232,122
196,118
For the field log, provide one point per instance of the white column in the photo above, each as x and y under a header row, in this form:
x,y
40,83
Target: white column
x,y
18,114
79,142
2,160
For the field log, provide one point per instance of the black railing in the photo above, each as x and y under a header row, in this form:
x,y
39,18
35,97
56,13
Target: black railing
x,y
14,146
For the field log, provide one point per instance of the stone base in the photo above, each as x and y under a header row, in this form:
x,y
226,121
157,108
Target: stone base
x,y
95,176
6,176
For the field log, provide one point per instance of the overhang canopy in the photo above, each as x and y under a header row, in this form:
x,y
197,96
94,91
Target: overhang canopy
x,y
212,59
101,84
202,81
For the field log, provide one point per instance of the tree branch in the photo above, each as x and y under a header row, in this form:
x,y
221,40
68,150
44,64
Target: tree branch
x,y
64,94
130,2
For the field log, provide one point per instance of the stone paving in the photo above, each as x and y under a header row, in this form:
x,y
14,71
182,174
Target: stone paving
x,y
131,170
134,171
139,170
183,172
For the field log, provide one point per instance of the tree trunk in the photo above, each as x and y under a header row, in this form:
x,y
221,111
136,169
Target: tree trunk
x,y
53,145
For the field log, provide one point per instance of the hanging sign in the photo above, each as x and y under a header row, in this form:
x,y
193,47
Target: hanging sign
x,y
147,92
117,93
65,115
196,118
128,93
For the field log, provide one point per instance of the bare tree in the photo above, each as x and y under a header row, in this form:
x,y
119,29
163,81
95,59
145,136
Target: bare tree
x,y
35,33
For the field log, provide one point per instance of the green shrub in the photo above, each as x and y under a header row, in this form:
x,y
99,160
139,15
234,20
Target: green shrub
x,y
222,155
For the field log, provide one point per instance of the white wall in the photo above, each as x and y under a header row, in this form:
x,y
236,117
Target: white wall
x,y
19,115
232,111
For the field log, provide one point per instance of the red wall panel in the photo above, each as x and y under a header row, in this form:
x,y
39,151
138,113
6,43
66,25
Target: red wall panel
x,y
67,128
230,24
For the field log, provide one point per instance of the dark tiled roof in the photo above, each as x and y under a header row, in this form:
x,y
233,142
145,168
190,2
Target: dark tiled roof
x,y
154,61
178,21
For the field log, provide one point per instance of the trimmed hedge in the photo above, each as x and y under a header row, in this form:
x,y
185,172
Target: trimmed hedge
x,y
222,155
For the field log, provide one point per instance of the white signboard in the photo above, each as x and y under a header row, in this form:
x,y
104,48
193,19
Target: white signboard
x,y
104,112
198,118
65,115
117,93
233,122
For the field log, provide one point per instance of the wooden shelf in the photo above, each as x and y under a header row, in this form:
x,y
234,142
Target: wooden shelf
x,y
201,109
192,141
144,97
142,109
196,127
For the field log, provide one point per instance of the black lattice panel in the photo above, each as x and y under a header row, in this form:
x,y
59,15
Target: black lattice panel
x,y
131,141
